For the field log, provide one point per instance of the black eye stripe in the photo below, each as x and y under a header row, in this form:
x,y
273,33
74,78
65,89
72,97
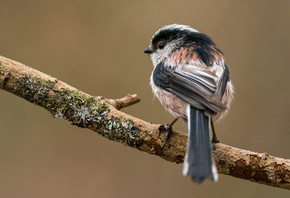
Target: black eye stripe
x,y
188,38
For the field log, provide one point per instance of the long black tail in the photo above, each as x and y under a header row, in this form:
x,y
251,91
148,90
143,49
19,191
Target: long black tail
x,y
198,162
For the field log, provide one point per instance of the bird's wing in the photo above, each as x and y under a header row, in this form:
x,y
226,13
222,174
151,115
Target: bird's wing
x,y
197,85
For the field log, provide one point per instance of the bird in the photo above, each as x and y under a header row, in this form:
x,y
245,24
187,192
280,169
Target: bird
x,y
192,81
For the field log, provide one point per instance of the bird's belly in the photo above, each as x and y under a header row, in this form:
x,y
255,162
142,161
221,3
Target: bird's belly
x,y
171,103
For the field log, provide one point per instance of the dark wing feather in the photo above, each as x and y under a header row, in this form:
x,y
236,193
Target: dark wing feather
x,y
222,83
201,89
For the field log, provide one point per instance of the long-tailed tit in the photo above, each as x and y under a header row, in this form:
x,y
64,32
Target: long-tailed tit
x,y
191,80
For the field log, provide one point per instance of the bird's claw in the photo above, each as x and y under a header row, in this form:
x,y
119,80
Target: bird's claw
x,y
168,131
214,141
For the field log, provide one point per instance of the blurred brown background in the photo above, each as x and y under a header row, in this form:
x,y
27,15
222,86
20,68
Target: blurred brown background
x,y
97,46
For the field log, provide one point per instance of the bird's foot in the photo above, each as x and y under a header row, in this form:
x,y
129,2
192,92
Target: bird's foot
x,y
168,132
214,141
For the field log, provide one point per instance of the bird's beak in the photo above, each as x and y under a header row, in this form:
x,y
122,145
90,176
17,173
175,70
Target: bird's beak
x,y
148,50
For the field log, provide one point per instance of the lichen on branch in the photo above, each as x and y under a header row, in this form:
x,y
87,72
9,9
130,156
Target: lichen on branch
x,y
73,105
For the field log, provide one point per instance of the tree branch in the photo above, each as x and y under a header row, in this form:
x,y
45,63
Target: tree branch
x,y
102,116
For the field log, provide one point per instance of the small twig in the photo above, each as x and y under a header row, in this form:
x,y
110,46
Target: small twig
x,y
122,102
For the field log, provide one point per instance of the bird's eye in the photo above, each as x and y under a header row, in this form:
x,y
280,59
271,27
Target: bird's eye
x,y
161,45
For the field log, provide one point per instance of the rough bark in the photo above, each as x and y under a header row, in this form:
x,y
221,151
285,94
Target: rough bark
x,y
104,117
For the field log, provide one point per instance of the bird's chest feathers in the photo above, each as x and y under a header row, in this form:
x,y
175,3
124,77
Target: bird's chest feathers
x,y
171,103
